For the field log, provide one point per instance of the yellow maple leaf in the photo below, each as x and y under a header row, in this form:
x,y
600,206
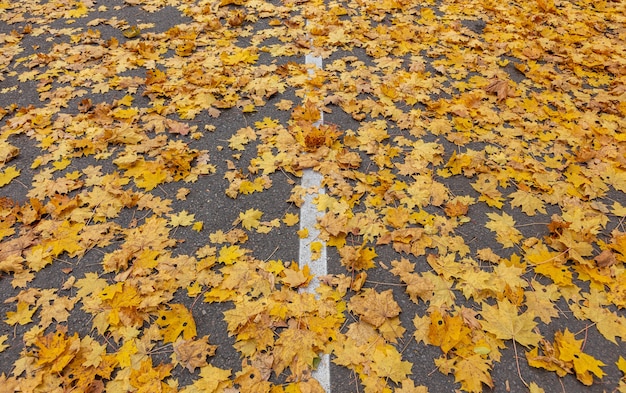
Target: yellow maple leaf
x,y
621,364
230,254
387,363
176,321
127,100
303,233
182,219
182,193
119,113
316,249
245,55
147,378
540,301
504,227
197,226
488,187
22,315
125,353
93,351
151,177
56,350
294,349
373,307
249,219
408,386
528,202
241,138
78,12
284,105
192,353
7,151
471,372
569,350
8,174
291,219
505,323
447,331
357,258
397,217
534,388
294,277
211,380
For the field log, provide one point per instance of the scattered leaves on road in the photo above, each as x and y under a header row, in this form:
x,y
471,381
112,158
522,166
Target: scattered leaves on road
x,y
472,120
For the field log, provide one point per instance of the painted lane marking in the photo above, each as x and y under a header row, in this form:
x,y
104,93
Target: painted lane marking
x,y
312,180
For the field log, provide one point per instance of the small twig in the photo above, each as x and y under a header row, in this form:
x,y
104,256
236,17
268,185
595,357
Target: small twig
x,y
561,311
205,290
162,349
273,252
519,372
586,329
531,224
385,283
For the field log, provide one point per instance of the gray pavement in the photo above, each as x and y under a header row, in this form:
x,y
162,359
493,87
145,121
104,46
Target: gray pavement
x,y
109,109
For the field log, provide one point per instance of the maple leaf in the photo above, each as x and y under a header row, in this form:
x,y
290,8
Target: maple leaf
x,y
7,152
291,219
505,323
92,351
566,356
357,258
529,203
373,307
408,386
540,301
249,219
8,174
246,55
504,227
176,321
610,324
472,372
294,277
242,137
456,209
192,353
298,357
388,363
284,105
56,350
212,379
447,331
148,378
501,88
182,193
569,350
307,112
22,315
487,186
182,218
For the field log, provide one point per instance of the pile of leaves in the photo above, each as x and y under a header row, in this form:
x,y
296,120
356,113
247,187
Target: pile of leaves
x,y
472,118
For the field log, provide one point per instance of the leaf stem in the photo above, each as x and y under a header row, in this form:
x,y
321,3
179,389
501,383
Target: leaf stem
x,y
519,372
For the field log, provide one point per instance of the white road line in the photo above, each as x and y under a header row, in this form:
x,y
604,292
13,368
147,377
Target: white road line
x,y
312,180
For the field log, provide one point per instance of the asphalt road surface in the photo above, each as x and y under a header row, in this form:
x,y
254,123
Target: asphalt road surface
x,y
40,56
